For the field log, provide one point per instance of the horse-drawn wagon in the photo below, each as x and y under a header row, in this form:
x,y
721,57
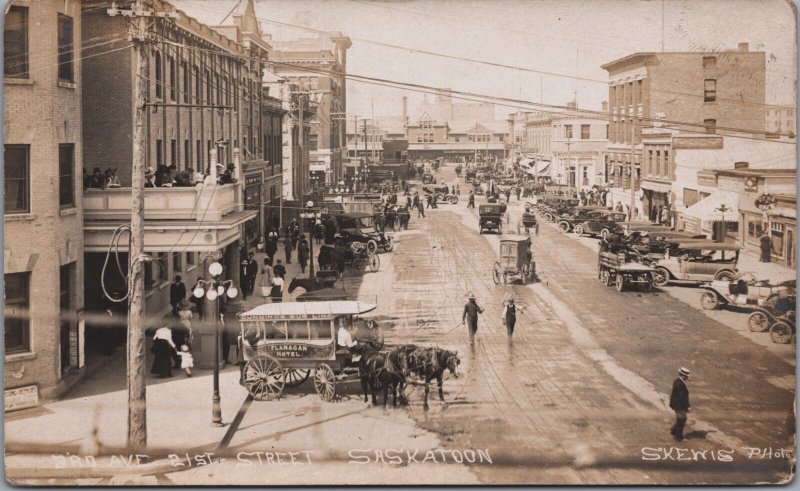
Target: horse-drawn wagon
x,y
285,343
624,268
515,262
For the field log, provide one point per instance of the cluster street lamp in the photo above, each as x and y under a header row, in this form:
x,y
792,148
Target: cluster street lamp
x,y
213,290
311,215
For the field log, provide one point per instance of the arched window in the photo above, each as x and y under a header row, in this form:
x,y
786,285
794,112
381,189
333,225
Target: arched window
x,y
159,76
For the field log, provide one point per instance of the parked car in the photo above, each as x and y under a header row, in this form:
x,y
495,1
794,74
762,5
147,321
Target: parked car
x,y
745,292
602,223
697,262
359,227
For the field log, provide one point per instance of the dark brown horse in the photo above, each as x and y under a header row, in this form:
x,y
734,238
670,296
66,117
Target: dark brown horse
x,y
429,364
379,369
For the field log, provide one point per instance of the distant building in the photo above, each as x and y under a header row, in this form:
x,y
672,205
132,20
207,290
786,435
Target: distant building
x,y
317,67
578,147
691,92
43,233
780,122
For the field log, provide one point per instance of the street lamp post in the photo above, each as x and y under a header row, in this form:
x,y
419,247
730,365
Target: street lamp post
x,y
311,215
213,290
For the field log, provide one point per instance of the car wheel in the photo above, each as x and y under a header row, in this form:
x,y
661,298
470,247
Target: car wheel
x,y
578,230
564,226
724,276
605,233
781,332
389,244
758,322
660,277
709,301
372,246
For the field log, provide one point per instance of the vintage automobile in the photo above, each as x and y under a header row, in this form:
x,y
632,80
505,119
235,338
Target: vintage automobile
x,y
601,223
528,221
442,193
697,262
624,268
515,261
745,292
491,218
283,343
773,307
359,227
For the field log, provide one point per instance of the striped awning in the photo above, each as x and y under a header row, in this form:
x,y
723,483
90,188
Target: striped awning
x,y
710,209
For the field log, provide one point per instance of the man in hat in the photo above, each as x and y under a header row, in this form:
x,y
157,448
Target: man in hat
x,y
471,311
96,180
679,402
177,292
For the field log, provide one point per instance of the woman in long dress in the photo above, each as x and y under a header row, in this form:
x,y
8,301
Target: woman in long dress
x,y
162,350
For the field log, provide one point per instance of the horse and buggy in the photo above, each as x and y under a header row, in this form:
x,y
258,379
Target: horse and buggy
x,y
286,343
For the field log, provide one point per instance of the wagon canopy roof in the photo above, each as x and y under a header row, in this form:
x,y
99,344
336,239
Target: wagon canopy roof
x,y
709,246
328,309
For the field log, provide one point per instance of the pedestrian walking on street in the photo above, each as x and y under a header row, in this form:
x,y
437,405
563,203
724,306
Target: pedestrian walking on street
x,y
177,292
287,248
266,279
510,315
277,289
162,349
187,360
679,402
244,276
470,315
665,216
471,201
458,190
279,270
766,249
420,209
272,245
302,253
519,192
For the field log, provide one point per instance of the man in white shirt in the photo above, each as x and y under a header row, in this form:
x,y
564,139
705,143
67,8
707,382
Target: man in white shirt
x,y
343,338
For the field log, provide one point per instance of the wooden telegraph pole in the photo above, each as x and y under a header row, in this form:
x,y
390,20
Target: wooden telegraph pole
x,y
137,409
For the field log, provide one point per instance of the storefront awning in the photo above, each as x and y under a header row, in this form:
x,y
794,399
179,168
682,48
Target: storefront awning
x,y
709,209
525,163
657,187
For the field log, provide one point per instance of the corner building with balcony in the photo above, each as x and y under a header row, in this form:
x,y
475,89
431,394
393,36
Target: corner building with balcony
x,y
205,100
43,238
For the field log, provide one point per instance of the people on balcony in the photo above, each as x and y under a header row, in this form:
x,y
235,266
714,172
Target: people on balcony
x,y
227,176
96,180
149,178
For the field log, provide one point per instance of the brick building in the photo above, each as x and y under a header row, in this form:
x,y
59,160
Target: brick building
x,y
43,240
317,66
206,105
579,145
701,92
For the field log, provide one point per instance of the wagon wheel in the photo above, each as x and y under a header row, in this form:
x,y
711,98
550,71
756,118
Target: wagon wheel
x,y
325,382
758,321
578,230
264,378
660,277
709,301
389,247
496,273
781,332
606,278
374,262
294,376
619,282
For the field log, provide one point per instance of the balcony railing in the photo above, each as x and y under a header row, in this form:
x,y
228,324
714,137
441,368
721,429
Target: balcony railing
x,y
201,203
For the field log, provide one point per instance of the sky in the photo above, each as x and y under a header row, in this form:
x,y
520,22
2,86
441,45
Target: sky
x,y
562,39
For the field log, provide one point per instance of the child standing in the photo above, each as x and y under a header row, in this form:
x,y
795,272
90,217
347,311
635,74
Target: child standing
x,y
187,361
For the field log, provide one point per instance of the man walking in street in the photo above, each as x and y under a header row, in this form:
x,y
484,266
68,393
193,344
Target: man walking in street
x,y
252,271
244,277
679,402
471,201
470,315
279,270
287,248
420,209
177,292
302,253
272,245
510,315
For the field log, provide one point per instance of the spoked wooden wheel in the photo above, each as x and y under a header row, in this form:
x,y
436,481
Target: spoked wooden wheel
x,y
758,321
263,378
619,282
325,382
781,332
294,377
374,262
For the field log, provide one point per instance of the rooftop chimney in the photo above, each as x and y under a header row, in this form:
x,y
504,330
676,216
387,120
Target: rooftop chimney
x,y
572,104
604,105
744,47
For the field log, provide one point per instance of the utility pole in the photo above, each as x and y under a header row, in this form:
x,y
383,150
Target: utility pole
x,y
137,404
633,177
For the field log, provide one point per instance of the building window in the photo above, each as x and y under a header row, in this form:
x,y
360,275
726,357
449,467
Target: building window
x,y
66,165
218,95
173,79
198,86
17,323
208,87
173,152
159,76
15,39
709,62
755,228
66,275
186,162
17,179
568,131
666,163
710,90
159,152
186,88
65,36
711,126
199,156
584,132
190,259
177,262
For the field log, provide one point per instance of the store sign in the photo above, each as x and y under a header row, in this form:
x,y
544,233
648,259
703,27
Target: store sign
x,y
21,397
295,350
254,179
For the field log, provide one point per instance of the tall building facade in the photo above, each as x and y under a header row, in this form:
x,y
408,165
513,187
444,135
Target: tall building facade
x,y
43,237
697,92
317,67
